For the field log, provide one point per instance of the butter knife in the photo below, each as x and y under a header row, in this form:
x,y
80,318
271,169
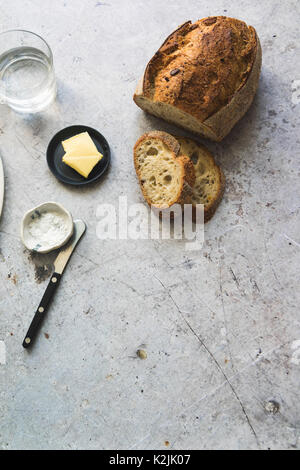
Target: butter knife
x,y
59,265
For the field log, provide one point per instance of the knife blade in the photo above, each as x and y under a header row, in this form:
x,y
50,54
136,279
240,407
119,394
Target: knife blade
x,y
65,254
60,263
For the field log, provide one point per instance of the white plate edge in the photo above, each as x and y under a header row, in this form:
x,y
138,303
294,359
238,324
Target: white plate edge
x,y
1,186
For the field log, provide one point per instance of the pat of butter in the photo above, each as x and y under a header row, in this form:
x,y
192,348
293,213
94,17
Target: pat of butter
x,y
82,164
80,144
81,153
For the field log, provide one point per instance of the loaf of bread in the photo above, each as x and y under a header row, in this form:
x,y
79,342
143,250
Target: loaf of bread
x,y
165,177
210,180
204,76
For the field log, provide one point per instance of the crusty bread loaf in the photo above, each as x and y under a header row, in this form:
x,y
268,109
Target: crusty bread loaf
x,y
165,177
204,76
210,180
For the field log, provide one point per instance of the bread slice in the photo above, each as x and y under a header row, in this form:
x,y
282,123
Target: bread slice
x,y
210,181
204,76
165,177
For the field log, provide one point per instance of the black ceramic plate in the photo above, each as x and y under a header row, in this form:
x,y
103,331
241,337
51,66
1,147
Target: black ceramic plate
x,y
62,171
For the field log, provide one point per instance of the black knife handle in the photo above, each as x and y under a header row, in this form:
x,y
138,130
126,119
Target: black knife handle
x,y
41,310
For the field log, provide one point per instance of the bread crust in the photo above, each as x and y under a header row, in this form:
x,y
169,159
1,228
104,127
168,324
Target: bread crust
x,y
211,208
189,180
225,119
166,138
208,214
188,173
208,70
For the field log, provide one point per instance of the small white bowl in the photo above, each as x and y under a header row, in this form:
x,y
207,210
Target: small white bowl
x,y
46,227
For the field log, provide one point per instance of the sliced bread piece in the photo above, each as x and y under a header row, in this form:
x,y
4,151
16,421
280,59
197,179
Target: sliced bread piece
x,y
210,180
165,177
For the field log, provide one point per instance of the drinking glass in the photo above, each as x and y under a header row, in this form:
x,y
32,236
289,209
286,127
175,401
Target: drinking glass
x,y
27,80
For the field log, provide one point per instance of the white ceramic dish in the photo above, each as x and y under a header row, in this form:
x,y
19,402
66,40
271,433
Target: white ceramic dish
x,y
46,227
1,186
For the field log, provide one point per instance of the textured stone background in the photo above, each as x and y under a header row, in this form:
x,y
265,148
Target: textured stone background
x,y
221,326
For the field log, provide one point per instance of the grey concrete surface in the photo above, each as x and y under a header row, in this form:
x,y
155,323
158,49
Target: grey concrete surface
x,y
220,326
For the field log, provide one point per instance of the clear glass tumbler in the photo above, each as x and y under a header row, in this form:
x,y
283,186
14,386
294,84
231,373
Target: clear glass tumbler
x,y
27,80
